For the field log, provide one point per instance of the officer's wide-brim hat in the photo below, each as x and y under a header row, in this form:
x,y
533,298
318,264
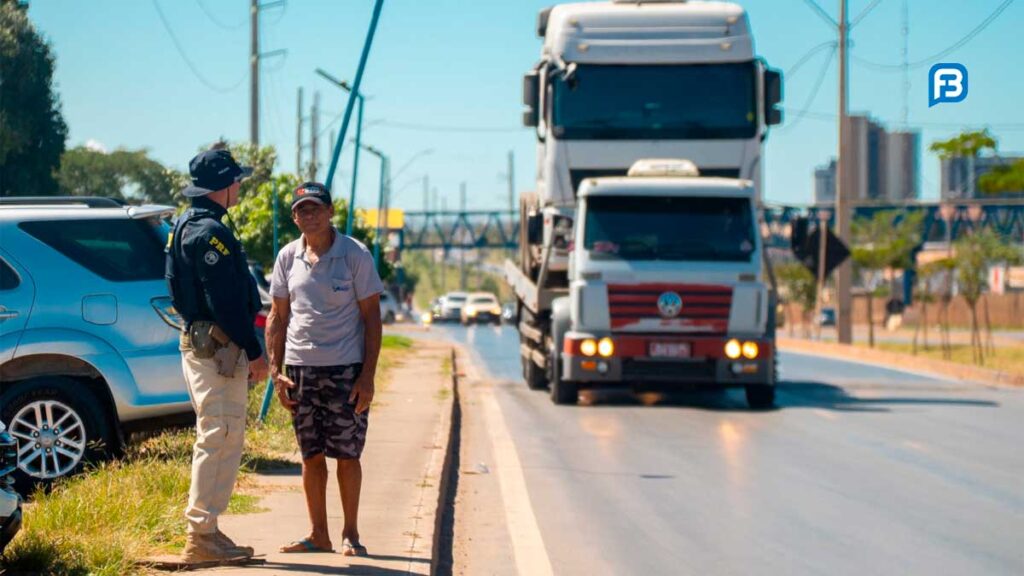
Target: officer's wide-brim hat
x,y
214,170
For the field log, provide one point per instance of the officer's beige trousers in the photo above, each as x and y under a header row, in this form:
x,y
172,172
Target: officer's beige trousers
x,y
219,403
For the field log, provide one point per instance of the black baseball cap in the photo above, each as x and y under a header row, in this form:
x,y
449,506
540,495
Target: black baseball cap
x,y
313,192
214,170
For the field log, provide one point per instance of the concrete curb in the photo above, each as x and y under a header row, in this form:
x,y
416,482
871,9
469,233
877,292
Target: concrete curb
x,y
441,556
898,360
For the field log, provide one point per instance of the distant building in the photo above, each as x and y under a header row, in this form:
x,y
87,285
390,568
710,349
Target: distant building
x,y
884,165
825,183
959,181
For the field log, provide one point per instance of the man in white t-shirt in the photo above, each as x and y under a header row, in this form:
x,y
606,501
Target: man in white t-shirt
x,y
323,339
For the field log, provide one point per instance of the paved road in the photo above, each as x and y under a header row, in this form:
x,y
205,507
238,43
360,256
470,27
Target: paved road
x,y
861,470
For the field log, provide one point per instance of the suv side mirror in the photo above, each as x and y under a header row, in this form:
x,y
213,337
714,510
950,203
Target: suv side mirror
x,y
535,228
772,96
531,98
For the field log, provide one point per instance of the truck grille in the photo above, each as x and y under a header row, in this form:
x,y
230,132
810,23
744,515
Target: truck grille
x,y
667,371
705,308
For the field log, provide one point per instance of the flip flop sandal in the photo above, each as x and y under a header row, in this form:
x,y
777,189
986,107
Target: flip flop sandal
x,y
349,548
307,547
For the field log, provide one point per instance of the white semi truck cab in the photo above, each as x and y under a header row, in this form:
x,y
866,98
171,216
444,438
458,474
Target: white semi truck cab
x,y
619,82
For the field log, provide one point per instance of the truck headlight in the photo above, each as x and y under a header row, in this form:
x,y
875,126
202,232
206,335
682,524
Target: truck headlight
x,y
750,350
606,347
733,349
588,347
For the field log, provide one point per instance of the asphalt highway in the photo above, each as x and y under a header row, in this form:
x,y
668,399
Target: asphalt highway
x,y
860,470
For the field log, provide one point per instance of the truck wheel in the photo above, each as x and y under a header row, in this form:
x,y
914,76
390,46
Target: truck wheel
x,y
761,397
562,392
59,425
533,375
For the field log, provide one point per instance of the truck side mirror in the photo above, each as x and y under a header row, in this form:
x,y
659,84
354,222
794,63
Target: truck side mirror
x,y
542,22
531,97
535,228
772,96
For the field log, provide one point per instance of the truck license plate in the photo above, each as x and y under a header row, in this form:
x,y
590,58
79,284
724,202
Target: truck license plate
x,y
670,349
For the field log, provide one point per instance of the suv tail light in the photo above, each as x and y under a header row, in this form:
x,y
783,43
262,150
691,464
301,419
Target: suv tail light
x,y
164,306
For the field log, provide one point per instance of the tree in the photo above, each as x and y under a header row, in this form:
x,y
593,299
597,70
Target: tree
x,y
975,253
799,286
1007,178
253,217
32,129
925,275
123,174
886,240
967,144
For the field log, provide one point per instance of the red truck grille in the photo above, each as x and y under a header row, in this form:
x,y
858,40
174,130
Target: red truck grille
x,y
705,307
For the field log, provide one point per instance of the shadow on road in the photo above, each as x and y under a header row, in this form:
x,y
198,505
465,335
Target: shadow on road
x,y
790,395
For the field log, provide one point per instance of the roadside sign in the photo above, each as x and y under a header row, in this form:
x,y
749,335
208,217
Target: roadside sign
x,y
806,243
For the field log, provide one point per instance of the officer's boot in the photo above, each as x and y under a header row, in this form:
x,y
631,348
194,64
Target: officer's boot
x,y
208,548
229,544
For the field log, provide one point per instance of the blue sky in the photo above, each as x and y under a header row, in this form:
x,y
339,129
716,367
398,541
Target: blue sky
x,y
458,64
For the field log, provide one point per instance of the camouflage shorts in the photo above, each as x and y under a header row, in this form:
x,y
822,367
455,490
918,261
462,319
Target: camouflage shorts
x,y
325,423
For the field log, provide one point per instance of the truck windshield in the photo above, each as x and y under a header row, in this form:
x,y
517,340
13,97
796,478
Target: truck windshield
x,y
705,101
669,228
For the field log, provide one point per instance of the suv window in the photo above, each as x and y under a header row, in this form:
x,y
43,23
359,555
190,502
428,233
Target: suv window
x,y
120,250
8,277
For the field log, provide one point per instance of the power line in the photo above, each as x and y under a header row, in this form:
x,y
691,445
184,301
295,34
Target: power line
x,y
821,12
956,45
864,13
188,62
445,128
831,117
215,20
803,59
814,91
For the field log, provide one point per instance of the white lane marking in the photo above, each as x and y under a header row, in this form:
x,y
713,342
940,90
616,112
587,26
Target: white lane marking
x,y
527,545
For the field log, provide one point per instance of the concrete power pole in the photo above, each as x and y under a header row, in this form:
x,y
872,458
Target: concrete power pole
x,y
426,193
298,136
844,274
254,73
462,251
314,135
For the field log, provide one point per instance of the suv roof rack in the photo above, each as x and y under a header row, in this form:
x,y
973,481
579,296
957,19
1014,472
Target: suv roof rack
x,y
90,201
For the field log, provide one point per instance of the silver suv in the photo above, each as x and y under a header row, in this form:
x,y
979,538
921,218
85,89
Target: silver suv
x,y
88,337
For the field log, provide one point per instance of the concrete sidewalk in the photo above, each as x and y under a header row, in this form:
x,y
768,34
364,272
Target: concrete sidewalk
x,y
402,464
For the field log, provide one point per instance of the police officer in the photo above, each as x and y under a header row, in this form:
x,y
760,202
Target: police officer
x,y
215,294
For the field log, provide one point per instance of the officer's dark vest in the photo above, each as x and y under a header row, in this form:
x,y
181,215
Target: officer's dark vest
x,y
182,283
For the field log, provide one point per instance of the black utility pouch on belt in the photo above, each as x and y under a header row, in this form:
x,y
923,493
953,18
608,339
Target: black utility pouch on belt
x,y
201,336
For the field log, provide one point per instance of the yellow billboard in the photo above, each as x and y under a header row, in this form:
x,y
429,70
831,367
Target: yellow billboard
x,y
395,218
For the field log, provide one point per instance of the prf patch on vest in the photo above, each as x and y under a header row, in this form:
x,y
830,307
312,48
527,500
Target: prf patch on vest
x,y
219,245
170,239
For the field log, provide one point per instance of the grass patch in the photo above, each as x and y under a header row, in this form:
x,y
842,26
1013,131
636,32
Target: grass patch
x,y
103,521
1008,359
394,342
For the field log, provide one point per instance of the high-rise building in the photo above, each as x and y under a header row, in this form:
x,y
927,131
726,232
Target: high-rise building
x,y
884,165
959,179
825,183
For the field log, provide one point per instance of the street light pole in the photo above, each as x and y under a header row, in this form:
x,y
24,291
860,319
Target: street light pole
x,y
360,100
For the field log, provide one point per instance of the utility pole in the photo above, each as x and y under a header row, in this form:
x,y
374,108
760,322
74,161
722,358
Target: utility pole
x,y
314,135
298,136
844,273
444,253
254,73
462,250
511,182
426,193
